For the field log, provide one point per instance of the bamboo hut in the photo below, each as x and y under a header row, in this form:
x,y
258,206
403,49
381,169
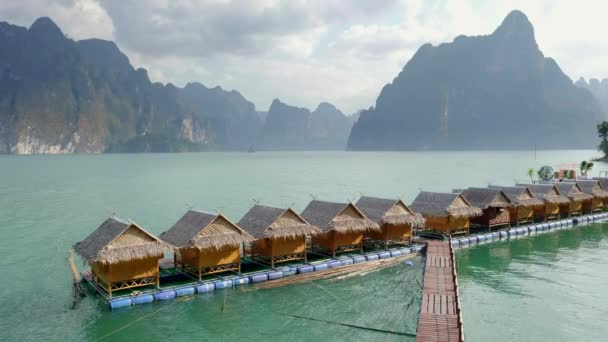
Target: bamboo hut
x,y
395,218
552,198
493,204
342,226
593,188
280,234
604,185
206,243
523,201
576,196
445,212
122,255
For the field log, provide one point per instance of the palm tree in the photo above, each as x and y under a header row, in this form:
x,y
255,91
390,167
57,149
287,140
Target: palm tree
x,y
585,167
531,174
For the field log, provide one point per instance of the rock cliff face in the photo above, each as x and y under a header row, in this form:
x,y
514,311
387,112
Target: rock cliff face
x,y
63,96
485,92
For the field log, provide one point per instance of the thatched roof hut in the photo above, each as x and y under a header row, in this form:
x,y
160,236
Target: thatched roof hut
x,y
270,222
122,255
116,241
206,243
548,192
592,187
573,191
197,229
444,204
519,195
341,217
484,198
389,211
603,182
342,225
493,203
395,218
280,234
445,212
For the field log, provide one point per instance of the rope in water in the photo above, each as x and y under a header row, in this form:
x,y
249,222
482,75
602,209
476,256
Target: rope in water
x,y
349,325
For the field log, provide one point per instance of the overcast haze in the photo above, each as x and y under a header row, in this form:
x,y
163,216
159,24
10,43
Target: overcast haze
x,y
305,52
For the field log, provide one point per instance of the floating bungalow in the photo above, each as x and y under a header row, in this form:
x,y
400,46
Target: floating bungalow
x,y
342,226
395,218
206,243
493,204
522,210
445,212
576,196
280,234
122,255
552,198
593,188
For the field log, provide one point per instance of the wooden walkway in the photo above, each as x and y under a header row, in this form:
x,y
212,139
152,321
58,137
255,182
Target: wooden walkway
x,y
440,318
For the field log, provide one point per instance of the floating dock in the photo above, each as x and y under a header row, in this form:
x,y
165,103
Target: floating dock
x,y
440,317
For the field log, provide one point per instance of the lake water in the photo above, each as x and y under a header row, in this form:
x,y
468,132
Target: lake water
x,y
47,203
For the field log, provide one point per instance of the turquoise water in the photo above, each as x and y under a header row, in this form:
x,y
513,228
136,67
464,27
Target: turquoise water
x,y
550,287
47,203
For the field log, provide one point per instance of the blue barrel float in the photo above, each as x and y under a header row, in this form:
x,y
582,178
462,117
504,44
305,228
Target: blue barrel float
x,y
142,299
120,303
205,287
165,295
185,291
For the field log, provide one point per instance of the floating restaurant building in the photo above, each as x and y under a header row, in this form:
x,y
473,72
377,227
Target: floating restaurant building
x,y
342,226
395,218
448,213
206,243
280,234
493,204
593,188
524,202
122,255
552,198
576,196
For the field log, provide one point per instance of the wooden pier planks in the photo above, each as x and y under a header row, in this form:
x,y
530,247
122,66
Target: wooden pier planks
x,y
439,319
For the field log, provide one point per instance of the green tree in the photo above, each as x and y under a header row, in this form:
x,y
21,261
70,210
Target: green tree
x,y
531,174
602,132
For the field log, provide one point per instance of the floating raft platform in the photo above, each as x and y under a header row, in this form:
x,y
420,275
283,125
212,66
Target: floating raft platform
x,y
174,283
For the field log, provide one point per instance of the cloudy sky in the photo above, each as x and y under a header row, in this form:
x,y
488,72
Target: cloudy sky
x,y
305,52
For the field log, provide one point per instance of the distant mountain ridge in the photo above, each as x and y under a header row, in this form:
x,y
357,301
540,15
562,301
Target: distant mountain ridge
x,y
289,127
484,92
598,88
63,96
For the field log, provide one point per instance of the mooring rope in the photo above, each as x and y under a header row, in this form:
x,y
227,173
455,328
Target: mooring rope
x,y
348,325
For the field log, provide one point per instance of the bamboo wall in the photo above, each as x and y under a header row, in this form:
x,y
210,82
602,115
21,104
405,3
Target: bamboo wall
x,y
521,214
279,246
133,269
333,240
492,217
210,257
447,223
395,232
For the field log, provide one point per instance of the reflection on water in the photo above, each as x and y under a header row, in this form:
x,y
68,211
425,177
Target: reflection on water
x,y
548,287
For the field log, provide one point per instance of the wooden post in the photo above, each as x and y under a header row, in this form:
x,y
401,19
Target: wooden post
x,y
157,275
239,262
305,250
200,274
110,289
